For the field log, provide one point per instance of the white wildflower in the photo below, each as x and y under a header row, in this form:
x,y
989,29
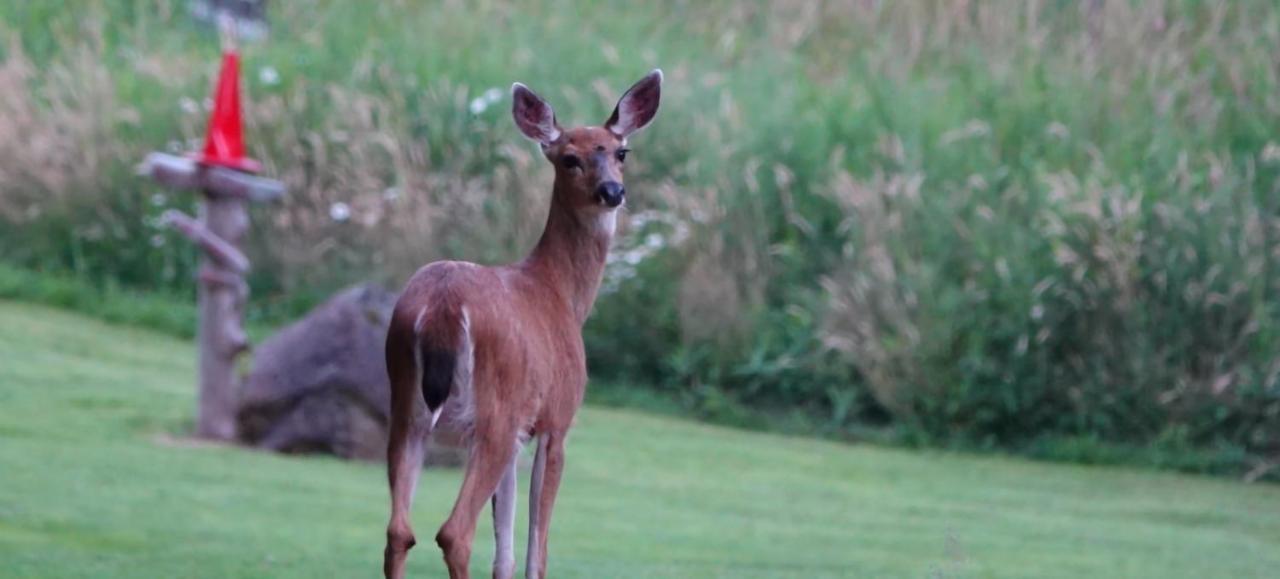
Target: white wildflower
x,y
269,76
484,101
339,212
1271,153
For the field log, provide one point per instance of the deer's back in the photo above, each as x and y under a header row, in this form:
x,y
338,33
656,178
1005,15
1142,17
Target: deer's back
x,y
526,343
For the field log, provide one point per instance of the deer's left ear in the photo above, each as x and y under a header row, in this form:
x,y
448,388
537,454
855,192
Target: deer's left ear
x,y
637,107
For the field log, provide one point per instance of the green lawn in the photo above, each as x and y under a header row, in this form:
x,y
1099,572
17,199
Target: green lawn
x,y
92,484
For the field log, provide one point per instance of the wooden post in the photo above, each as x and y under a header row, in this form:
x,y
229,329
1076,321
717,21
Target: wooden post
x,y
221,310
222,290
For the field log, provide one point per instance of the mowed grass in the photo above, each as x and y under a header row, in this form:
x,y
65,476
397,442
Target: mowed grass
x,y
93,483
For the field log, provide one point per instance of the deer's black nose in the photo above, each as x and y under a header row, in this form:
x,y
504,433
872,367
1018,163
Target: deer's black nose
x,y
610,193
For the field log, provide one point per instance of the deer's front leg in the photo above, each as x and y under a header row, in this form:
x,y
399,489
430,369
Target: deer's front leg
x,y
544,483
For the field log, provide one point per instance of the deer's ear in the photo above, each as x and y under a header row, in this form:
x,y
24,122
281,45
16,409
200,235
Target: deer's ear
x,y
637,107
533,115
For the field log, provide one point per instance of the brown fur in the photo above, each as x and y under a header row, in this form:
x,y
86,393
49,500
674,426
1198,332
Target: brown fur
x,y
524,326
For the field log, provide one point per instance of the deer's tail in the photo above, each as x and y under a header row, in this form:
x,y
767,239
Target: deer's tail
x,y
444,354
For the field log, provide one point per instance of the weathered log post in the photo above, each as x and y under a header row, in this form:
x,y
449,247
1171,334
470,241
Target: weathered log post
x,y
221,173
222,290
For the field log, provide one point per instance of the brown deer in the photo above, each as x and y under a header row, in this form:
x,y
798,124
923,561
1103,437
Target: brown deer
x,y
499,349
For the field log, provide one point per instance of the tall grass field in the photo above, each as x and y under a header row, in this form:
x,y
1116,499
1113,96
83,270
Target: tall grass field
x,y
1047,227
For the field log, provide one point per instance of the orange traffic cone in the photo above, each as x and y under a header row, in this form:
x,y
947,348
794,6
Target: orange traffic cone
x,y
224,140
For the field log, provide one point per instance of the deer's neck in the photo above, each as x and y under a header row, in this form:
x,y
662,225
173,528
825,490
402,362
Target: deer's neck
x,y
570,256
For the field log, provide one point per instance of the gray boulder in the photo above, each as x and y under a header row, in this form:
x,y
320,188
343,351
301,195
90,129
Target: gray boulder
x,y
320,384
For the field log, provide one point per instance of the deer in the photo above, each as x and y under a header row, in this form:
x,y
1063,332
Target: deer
x,y
499,349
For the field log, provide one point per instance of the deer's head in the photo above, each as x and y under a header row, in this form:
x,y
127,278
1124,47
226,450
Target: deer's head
x,y
588,160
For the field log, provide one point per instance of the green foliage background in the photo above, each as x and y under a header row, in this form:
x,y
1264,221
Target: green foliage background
x,y
1042,226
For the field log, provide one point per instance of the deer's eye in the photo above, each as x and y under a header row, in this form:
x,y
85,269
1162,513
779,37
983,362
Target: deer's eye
x,y
622,155
571,162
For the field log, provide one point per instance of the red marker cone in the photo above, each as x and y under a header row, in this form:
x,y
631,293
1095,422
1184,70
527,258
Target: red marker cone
x,y
224,140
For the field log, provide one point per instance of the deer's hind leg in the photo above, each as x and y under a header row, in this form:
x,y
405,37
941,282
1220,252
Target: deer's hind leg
x,y
405,453
504,521
492,452
411,425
